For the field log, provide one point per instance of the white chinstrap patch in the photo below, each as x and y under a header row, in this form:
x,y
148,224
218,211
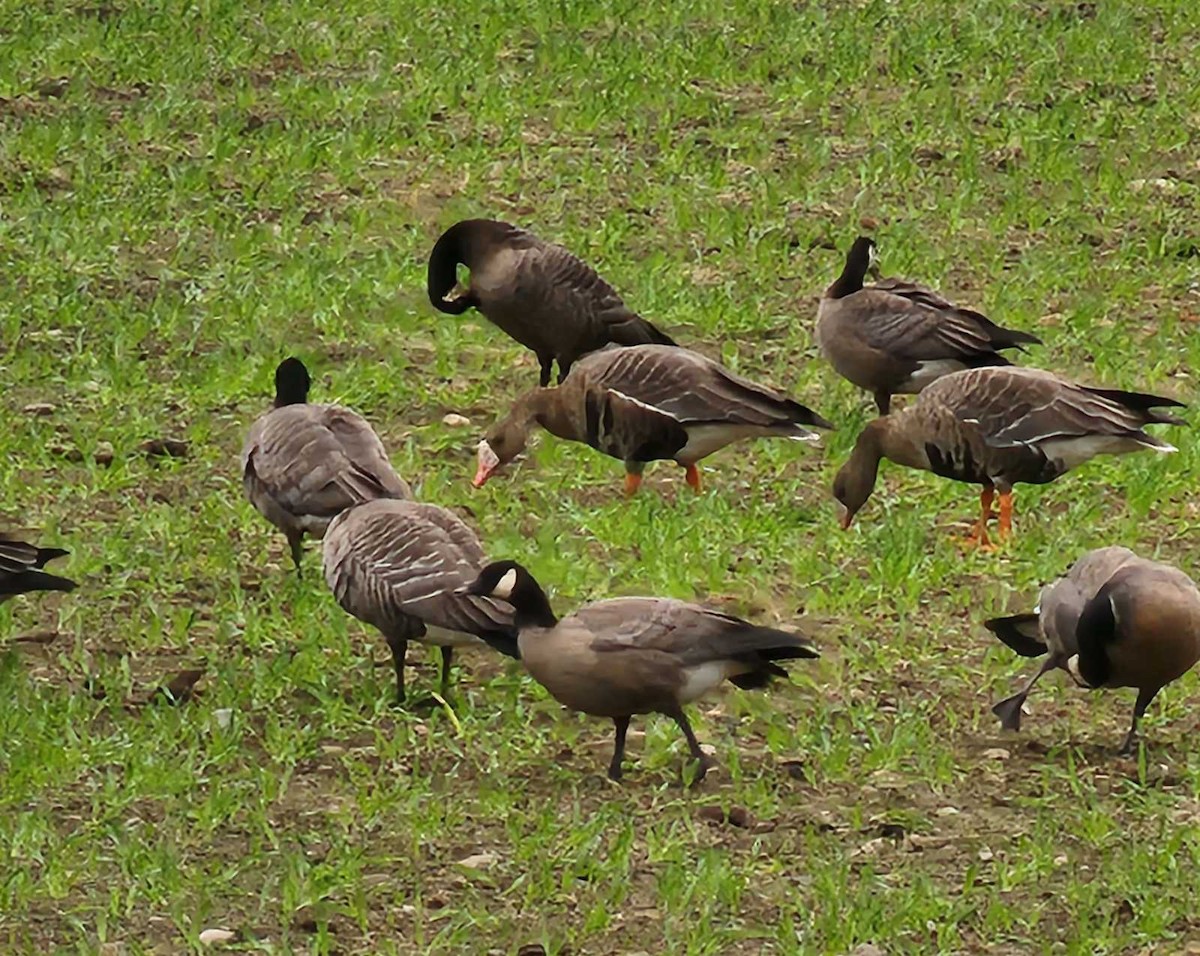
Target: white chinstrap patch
x,y
505,586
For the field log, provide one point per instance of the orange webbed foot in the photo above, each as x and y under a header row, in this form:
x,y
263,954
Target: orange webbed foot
x,y
632,483
691,474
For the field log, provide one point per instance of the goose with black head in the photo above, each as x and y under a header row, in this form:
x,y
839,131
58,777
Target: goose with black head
x,y
636,655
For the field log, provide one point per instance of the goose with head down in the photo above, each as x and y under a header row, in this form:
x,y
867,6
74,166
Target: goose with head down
x,y
400,566
636,655
898,337
302,464
22,564
998,426
1114,620
648,403
544,297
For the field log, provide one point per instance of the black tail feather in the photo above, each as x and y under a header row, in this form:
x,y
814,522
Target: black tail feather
x,y
1143,403
1020,632
34,581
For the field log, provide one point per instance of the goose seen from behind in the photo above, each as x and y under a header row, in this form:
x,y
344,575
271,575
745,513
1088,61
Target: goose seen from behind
x,y
637,655
540,294
402,566
999,426
302,464
648,403
898,337
1114,620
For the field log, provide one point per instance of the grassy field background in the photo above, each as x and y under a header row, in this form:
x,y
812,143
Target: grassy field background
x,y
190,192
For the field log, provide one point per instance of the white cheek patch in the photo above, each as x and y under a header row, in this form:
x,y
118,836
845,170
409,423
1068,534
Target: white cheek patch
x,y
504,587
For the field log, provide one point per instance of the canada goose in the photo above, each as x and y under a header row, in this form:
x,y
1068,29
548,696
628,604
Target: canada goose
x,y
540,294
1115,620
997,426
646,403
638,655
304,464
21,568
400,566
897,337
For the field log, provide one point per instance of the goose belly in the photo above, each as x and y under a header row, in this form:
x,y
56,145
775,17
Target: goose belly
x,y
926,373
1068,453
703,440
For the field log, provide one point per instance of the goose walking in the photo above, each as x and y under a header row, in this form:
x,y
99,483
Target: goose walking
x,y
636,655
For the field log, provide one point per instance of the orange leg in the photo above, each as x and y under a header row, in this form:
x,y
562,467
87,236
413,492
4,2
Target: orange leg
x,y
633,482
1006,509
691,475
986,495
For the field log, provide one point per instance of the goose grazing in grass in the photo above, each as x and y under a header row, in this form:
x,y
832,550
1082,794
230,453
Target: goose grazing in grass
x,y
637,655
540,294
21,567
998,426
302,464
648,403
1115,620
402,566
897,337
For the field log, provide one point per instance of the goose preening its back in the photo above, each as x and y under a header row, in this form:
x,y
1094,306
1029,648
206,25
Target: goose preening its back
x,y
401,566
648,403
21,567
998,426
897,336
638,655
1114,620
302,464
540,294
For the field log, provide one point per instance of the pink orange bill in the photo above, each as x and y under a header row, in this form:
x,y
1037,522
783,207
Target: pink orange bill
x,y
488,461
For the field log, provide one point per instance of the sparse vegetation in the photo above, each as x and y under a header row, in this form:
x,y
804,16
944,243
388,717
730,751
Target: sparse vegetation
x,y
190,192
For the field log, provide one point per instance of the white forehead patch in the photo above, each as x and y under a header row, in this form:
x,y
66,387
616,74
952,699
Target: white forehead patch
x,y
504,587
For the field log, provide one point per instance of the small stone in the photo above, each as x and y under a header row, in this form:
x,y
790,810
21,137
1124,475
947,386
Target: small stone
x,y
40,408
948,811
165,447
1061,860
210,937
223,717
735,816
532,949
478,861
996,753
104,453
986,855
455,420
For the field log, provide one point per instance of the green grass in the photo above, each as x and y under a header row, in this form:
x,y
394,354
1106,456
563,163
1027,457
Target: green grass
x,y
219,186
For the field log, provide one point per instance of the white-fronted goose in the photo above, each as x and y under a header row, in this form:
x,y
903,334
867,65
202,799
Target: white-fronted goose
x,y
640,655
999,426
1115,620
401,566
302,464
896,337
648,403
540,294
21,567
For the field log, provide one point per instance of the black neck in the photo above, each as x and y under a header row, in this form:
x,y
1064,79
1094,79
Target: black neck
x,y
531,604
452,249
858,260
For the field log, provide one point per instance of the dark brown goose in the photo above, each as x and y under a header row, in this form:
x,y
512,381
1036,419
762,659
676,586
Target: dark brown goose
x,y
302,465
540,294
897,337
999,426
648,403
640,655
21,567
1115,620
401,566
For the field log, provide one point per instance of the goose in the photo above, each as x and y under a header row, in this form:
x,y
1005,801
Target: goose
x,y
540,294
399,566
898,337
997,426
303,464
21,567
647,403
636,655
1114,620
